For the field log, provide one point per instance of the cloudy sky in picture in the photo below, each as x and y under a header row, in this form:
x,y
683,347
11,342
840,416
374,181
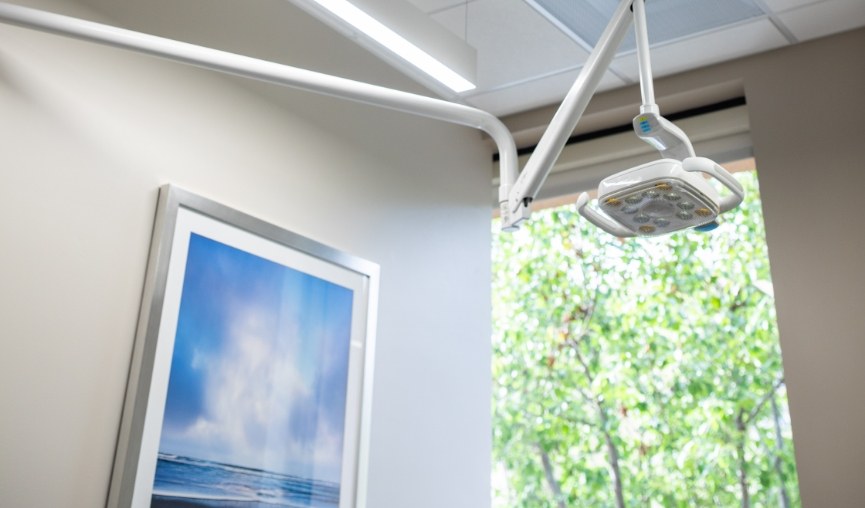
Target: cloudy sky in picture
x,y
260,365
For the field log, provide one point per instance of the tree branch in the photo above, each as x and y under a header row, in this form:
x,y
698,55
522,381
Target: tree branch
x,y
613,457
585,366
550,475
586,396
753,414
779,447
743,465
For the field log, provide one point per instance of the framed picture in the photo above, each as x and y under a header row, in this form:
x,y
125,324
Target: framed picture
x,y
251,377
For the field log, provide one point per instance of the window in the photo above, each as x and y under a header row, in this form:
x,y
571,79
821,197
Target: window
x,y
639,372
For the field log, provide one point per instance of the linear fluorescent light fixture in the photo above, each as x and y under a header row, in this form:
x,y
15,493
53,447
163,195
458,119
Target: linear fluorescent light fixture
x,y
399,45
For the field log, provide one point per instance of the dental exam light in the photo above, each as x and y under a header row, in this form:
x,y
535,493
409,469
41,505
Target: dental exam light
x,y
666,195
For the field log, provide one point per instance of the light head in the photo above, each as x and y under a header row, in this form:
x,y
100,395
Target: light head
x,y
661,197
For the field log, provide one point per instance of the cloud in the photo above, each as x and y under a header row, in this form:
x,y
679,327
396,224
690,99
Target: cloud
x,y
259,373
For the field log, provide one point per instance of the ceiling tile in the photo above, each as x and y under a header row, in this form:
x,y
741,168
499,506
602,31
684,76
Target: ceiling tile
x,y
524,61
706,49
454,19
513,41
668,19
534,94
438,5
825,18
785,5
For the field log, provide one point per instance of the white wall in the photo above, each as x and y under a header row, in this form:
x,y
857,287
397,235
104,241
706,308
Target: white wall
x,y
89,134
806,107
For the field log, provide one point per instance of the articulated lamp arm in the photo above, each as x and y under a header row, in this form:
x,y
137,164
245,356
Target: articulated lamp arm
x,y
540,163
649,125
516,191
240,65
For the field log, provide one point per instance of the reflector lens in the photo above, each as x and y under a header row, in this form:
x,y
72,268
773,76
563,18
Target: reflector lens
x,y
659,206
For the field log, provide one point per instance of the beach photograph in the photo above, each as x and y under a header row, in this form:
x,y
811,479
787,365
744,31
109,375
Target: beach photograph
x,y
256,403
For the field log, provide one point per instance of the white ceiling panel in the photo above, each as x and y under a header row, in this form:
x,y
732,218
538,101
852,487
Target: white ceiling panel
x,y
669,19
706,49
785,5
534,94
513,41
824,18
454,19
430,6
523,60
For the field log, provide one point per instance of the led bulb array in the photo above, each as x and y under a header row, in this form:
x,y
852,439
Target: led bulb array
x,y
659,207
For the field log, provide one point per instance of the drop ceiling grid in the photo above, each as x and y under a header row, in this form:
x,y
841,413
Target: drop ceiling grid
x,y
434,6
534,93
513,41
525,62
778,6
705,49
824,18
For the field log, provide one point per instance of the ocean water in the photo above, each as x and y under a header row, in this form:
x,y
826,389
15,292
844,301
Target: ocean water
x,y
213,484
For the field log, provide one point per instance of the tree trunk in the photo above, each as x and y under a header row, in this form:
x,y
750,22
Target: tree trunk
x,y
612,451
740,451
613,455
555,488
779,451
617,472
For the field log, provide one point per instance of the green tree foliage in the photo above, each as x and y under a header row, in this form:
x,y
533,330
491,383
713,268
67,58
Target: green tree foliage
x,y
640,372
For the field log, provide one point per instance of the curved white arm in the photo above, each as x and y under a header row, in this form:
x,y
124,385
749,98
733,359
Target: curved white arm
x,y
562,125
665,136
709,167
602,221
285,75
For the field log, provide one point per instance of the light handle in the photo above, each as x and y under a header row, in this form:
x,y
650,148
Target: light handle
x,y
602,221
709,167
